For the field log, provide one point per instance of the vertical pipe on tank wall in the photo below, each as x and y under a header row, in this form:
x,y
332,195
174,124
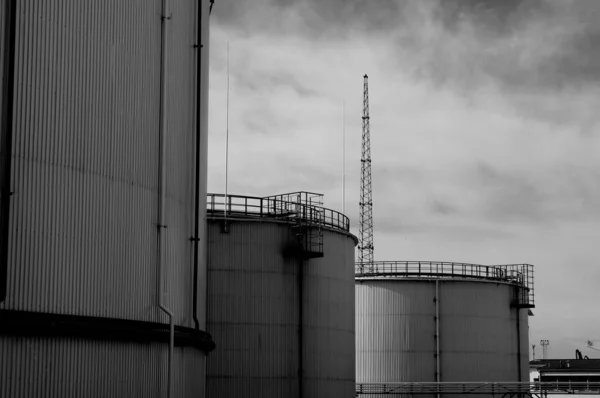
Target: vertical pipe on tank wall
x,y
163,176
8,86
300,327
519,378
437,333
197,194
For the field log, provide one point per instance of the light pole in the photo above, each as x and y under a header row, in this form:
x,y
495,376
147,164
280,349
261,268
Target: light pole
x,y
544,344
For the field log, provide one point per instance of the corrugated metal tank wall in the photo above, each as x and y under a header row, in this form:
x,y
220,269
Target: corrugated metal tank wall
x,y
329,338
68,367
253,314
395,327
478,330
85,177
395,330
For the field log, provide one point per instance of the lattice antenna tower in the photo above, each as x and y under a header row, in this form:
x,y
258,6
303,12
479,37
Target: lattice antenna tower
x,y
365,245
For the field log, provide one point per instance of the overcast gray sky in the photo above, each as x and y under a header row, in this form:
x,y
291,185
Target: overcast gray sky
x,y
485,130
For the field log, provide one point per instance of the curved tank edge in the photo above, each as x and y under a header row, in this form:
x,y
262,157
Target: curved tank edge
x,y
212,218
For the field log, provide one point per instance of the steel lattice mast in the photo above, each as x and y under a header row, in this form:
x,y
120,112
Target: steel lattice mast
x,y
365,245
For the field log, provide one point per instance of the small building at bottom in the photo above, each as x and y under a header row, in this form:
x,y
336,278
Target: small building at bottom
x,y
582,374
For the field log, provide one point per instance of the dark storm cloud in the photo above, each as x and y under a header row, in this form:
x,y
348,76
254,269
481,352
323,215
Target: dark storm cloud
x,y
537,45
496,16
318,18
519,45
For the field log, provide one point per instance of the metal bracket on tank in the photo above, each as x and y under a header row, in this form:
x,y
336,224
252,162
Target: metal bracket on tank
x,y
225,227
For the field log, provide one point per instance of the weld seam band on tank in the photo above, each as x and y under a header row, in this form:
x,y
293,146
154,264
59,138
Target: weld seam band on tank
x,y
27,323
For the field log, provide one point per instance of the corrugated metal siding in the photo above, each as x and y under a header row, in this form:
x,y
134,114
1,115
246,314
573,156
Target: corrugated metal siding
x,y
478,331
63,368
329,320
85,158
181,158
253,314
395,330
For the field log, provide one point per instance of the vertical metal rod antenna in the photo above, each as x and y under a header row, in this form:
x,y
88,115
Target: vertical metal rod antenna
x,y
227,136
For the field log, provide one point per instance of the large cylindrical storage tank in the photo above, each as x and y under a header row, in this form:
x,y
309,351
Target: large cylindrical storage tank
x,y
442,322
103,182
282,315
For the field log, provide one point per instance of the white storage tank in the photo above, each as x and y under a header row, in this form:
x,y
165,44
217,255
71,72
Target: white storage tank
x,y
280,298
442,322
103,189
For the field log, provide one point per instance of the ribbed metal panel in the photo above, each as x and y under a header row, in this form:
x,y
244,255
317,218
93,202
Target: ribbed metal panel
x,y
85,177
85,158
395,326
252,312
329,321
63,368
395,330
478,330
253,304
181,111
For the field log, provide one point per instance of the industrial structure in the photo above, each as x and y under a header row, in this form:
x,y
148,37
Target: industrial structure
x,y
579,375
572,370
280,297
544,344
432,322
365,233
102,207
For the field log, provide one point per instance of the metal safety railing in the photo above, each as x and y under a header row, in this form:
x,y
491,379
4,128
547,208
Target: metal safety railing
x,y
491,388
520,275
304,205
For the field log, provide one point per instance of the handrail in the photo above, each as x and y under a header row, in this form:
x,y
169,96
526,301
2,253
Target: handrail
x,y
520,275
502,387
275,207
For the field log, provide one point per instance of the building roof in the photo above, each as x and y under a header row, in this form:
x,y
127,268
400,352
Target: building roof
x,y
565,365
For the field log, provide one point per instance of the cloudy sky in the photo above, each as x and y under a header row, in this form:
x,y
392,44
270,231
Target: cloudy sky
x,y
485,130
